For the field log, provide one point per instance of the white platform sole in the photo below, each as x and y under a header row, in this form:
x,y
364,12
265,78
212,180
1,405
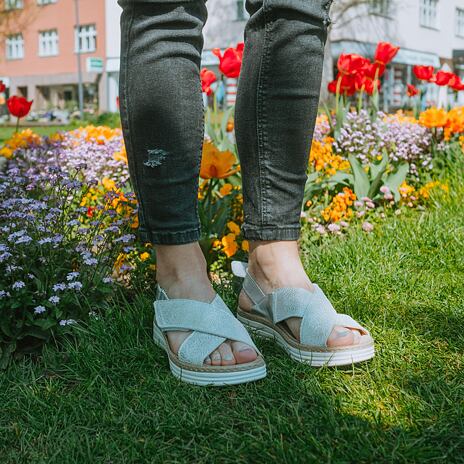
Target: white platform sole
x,y
209,378
313,358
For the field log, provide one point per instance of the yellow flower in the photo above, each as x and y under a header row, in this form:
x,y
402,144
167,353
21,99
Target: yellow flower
x,y
109,184
226,189
323,159
433,117
121,155
229,244
216,164
144,256
245,245
233,227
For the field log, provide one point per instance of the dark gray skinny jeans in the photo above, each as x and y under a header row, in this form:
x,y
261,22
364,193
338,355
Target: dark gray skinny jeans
x,y
162,112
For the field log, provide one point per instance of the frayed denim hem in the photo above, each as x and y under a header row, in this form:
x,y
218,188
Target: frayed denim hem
x,y
250,232
170,238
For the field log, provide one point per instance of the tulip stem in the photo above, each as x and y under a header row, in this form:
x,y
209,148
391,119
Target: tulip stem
x,y
17,124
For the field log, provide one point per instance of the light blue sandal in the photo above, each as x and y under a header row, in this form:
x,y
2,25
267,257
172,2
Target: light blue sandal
x,y
211,324
269,312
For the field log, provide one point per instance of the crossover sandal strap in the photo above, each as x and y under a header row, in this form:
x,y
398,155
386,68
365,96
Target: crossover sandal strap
x,y
211,323
317,313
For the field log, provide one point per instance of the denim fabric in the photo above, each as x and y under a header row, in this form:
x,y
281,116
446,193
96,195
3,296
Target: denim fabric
x,y
162,112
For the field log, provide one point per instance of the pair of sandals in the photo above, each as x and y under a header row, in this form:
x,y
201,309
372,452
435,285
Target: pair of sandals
x,y
213,323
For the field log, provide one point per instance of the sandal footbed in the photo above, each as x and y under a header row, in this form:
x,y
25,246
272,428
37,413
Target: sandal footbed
x,y
283,330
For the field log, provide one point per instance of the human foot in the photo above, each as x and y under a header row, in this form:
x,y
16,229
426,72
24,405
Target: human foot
x,y
181,272
277,264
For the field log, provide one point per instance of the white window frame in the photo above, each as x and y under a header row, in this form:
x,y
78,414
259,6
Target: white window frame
x,y
48,42
14,44
460,22
380,7
85,38
45,2
428,13
13,4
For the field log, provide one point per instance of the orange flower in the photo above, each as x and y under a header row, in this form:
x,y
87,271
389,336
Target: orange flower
x,y
226,189
339,209
229,244
245,245
216,164
455,123
233,227
433,117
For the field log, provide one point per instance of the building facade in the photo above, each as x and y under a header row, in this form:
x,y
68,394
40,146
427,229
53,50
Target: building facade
x,y
39,59
39,51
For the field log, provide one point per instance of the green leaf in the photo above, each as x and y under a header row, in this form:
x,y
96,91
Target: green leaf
x,y
361,179
378,170
394,180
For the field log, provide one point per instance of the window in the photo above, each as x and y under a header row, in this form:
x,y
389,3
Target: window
x,y
460,22
13,4
428,13
379,7
48,43
45,2
86,38
15,47
242,13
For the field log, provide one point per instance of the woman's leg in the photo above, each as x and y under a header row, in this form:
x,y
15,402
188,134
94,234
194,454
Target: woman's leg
x,y
162,118
276,108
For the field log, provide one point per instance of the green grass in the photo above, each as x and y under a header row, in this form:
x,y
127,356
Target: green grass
x,y
108,396
7,131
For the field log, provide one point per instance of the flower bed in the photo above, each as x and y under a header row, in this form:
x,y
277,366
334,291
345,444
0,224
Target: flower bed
x,y
69,218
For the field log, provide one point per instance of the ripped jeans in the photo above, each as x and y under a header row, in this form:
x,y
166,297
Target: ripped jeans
x,y
162,112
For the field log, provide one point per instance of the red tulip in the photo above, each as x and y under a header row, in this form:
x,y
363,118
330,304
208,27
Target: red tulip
x,y
351,63
231,62
18,106
375,68
117,101
424,73
442,77
412,90
385,52
2,87
207,78
332,86
372,85
455,83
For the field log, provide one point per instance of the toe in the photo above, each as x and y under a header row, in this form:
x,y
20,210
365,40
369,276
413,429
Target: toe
x,y
226,354
208,361
341,336
215,358
243,353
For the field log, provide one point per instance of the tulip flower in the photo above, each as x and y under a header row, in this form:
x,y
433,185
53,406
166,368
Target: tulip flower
x,y
231,62
207,78
412,90
442,78
350,64
2,87
455,83
19,107
385,53
423,73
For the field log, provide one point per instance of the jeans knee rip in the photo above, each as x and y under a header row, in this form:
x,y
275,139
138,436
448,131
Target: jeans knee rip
x,y
155,157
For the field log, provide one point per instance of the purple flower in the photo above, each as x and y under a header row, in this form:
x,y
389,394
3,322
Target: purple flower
x,y
54,299
72,275
39,309
75,285
18,284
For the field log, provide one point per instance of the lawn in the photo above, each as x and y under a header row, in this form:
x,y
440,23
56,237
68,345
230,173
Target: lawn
x,y
108,396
